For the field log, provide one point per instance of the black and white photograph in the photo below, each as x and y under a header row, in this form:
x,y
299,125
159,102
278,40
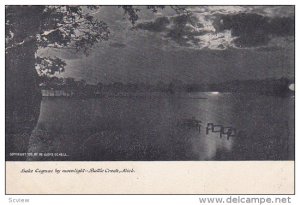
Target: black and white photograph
x,y
149,83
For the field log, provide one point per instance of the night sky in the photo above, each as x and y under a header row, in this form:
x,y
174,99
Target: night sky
x,y
215,44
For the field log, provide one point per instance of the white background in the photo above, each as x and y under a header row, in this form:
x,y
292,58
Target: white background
x,y
125,199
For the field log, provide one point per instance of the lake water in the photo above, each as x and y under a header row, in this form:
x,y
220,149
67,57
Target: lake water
x,y
156,127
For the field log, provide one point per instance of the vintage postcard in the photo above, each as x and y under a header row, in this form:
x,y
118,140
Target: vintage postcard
x,y
149,99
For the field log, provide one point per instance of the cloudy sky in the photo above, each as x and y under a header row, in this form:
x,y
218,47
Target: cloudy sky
x,y
213,44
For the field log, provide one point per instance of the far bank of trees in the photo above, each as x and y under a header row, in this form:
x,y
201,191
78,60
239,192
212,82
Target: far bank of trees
x,y
74,87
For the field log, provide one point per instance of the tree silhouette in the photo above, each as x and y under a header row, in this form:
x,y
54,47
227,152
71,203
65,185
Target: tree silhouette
x,y
28,28
72,27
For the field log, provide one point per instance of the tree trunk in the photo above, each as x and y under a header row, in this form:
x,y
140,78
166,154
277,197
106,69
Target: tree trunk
x,y
22,93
